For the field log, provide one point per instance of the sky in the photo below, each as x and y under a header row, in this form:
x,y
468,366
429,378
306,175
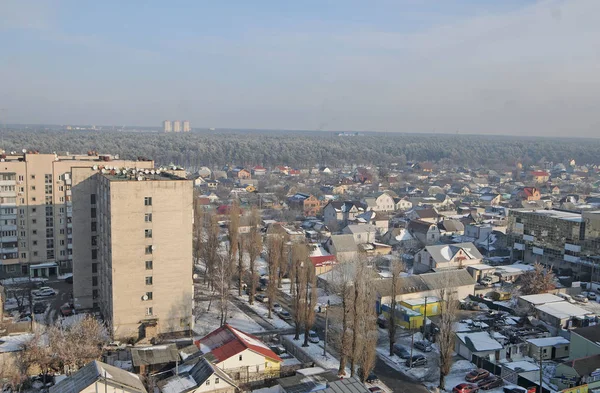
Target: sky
x,y
522,67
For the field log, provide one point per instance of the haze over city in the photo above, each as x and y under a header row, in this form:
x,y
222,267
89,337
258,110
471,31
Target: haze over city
x,y
485,67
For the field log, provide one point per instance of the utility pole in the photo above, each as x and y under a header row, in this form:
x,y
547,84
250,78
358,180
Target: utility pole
x,y
425,319
541,373
412,340
326,329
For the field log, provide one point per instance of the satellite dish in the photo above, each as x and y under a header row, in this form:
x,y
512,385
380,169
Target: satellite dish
x,y
195,276
153,247
24,150
146,171
145,297
95,167
153,171
103,170
140,178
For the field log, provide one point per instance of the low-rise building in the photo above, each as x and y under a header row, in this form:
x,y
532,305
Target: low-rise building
x,y
200,377
100,377
446,256
548,348
425,232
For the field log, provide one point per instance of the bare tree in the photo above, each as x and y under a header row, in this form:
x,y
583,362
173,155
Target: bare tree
x,y
341,284
233,232
370,335
221,279
445,338
211,247
199,230
254,248
298,287
396,267
536,281
274,261
240,267
310,298
358,294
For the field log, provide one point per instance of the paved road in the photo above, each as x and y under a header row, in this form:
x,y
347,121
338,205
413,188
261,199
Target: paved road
x,y
64,295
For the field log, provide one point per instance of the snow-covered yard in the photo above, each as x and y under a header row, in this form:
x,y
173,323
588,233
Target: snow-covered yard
x,y
315,352
262,309
207,321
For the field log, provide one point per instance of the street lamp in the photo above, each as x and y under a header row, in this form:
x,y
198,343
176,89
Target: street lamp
x,y
326,328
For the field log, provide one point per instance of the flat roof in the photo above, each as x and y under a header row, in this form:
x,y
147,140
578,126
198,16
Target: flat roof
x,y
563,310
558,214
548,341
143,176
541,298
481,266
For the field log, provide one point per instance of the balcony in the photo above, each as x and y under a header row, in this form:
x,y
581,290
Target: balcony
x,y
572,247
6,239
70,257
528,238
70,245
8,193
9,250
68,192
519,246
69,225
9,227
537,251
571,258
68,181
11,216
8,182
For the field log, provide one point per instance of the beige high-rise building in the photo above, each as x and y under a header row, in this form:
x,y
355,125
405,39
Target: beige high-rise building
x,y
186,126
176,126
167,126
134,251
36,210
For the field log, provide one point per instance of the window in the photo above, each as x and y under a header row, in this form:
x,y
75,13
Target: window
x,y
240,358
49,243
48,189
149,312
148,232
62,231
62,253
148,217
21,178
61,210
34,242
22,211
93,212
48,178
33,209
62,242
208,382
216,380
94,226
95,293
149,294
23,234
23,255
34,221
94,254
94,240
35,253
32,188
148,265
50,254
34,232
93,199
95,281
148,201
148,250
149,280
95,267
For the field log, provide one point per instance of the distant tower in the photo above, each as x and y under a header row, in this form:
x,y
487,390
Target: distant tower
x,y
167,126
176,126
186,126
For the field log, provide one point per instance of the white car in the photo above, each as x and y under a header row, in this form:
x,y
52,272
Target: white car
x,y
580,298
277,307
313,337
44,291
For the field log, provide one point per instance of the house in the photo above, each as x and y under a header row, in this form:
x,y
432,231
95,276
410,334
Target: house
x,y
336,212
539,177
308,203
427,284
97,377
322,260
342,246
532,301
564,315
154,358
548,348
315,379
425,232
577,372
379,202
259,171
325,170
481,344
429,215
446,256
527,194
402,204
242,356
362,175
585,342
362,233
200,378
240,173
451,227
400,238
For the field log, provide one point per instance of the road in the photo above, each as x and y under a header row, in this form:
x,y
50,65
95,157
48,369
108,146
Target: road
x,y
395,380
64,295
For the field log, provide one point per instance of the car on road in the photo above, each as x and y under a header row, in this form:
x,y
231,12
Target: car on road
x,y
490,382
66,310
39,308
465,388
382,322
591,296
44,291
477,375
417,361
519,389
424,346
375,389
277,307
261,298
371,378
286,316
401,351
580,298
313,337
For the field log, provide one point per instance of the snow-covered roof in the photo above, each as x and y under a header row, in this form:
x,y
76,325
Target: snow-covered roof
x,y
541,298
481,266
548,341
562,310
522,365
479,341
14,343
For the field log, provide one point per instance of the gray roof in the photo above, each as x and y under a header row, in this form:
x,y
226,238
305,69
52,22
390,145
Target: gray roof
x,y
427,282
445,252
591,333
452,225
98,371
199,373
346,385
360,228
419,226
159,354
344,243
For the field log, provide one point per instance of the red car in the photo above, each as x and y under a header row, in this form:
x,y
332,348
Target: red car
x,y
465,388
477,375
66,310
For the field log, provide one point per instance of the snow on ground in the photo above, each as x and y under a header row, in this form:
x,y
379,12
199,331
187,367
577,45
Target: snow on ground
x,y
21,280
458,371
323,297
262,309
207,321
395,362
315,351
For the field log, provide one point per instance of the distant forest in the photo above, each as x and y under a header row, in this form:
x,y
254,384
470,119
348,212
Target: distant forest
x,y
307,149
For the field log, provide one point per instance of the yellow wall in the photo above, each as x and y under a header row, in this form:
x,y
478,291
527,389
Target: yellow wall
x,y
433,308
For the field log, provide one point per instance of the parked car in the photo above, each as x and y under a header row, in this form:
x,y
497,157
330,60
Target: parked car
x,y
39,308
44,291
490,382
591,296
286,316
477,375
566,297
518,389
465,388
66,310
382,322
278,349
372,378
401,351
69,280
424,346
580,298
313,337
417,361
261,298
375,389
277,307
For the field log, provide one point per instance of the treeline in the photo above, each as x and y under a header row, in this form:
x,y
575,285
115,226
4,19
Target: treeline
x,y
306,149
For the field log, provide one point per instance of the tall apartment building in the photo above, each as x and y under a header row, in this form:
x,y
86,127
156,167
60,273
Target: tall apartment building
x,y
36,210
562,239
167,126
133,247
176,126
186,126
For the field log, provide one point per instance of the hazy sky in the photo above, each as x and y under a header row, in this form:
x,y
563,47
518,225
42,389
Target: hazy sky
x,y
477,66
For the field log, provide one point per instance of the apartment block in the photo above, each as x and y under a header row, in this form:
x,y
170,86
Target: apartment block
x,y
176,126
36,210
562,239
186,126
167,126
134,251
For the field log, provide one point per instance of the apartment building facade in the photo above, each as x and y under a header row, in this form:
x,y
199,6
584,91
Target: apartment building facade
x,y
562,239
36,210
134,256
